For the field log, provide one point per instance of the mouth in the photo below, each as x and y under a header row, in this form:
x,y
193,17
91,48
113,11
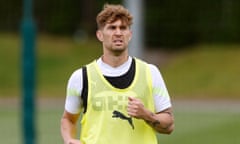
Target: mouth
x,y
118,42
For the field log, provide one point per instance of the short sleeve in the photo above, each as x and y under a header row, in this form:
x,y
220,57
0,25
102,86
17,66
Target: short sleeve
x,y
160,93
73,103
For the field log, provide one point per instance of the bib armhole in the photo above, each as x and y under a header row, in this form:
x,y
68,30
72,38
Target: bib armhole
x,y
84,95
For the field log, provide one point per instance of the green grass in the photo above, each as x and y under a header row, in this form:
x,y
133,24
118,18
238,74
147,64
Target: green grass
x,y
10,64
204,127
58,57
192,126
47,126
204,71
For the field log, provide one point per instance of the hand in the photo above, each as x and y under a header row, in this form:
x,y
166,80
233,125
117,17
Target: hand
x,y
136,108
74,141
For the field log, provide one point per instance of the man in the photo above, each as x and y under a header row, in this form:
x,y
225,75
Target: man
x,y
123,100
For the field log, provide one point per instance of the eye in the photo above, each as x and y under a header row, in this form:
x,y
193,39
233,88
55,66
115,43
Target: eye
x,y
112,27
123,27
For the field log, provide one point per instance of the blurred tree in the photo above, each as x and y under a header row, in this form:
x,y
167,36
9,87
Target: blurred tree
x,y
176,23
58,16
168,23
88,16
10,15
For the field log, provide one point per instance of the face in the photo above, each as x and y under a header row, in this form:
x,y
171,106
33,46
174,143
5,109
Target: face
x,y
115,36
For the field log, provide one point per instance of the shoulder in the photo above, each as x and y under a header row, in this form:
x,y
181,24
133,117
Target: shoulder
x,y
74,90
154,69
75,80
155,72
76,75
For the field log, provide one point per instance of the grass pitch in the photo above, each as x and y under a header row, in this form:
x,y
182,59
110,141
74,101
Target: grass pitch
x,y
203,72
200,71
194,124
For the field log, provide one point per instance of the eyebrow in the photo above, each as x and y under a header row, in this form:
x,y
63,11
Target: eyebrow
x,y
121,26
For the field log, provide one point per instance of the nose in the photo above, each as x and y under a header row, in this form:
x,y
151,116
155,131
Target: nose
x,y
118,31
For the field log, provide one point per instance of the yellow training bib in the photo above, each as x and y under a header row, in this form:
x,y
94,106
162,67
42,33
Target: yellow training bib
x,y
106,120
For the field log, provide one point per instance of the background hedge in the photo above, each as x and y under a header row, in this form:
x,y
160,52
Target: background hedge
x,y
169,23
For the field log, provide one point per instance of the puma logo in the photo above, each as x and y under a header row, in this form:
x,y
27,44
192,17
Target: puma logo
x,y
117,114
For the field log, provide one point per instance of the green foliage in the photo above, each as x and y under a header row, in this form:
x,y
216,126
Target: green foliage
x,y
170,24
10,15
173,24
57,16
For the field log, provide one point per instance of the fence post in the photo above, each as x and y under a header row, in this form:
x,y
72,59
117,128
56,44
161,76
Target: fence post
x,y
136,45
28,35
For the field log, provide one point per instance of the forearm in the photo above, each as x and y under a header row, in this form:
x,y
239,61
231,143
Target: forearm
x,y
68,130
162,122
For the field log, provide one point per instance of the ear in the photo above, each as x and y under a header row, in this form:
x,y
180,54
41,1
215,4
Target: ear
x,y
99,35
130,36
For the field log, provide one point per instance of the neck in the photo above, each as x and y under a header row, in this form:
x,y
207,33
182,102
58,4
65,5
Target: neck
x,y
114,61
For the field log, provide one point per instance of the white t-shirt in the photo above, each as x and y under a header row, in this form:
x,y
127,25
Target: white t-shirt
x,y
73,102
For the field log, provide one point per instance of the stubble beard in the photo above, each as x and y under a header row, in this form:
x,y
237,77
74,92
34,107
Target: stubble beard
x,y
119,51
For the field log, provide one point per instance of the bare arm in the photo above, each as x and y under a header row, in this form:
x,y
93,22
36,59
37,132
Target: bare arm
x,y
163,122
69,128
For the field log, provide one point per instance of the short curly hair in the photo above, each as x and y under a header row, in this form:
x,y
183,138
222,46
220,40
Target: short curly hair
x,y
111,13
